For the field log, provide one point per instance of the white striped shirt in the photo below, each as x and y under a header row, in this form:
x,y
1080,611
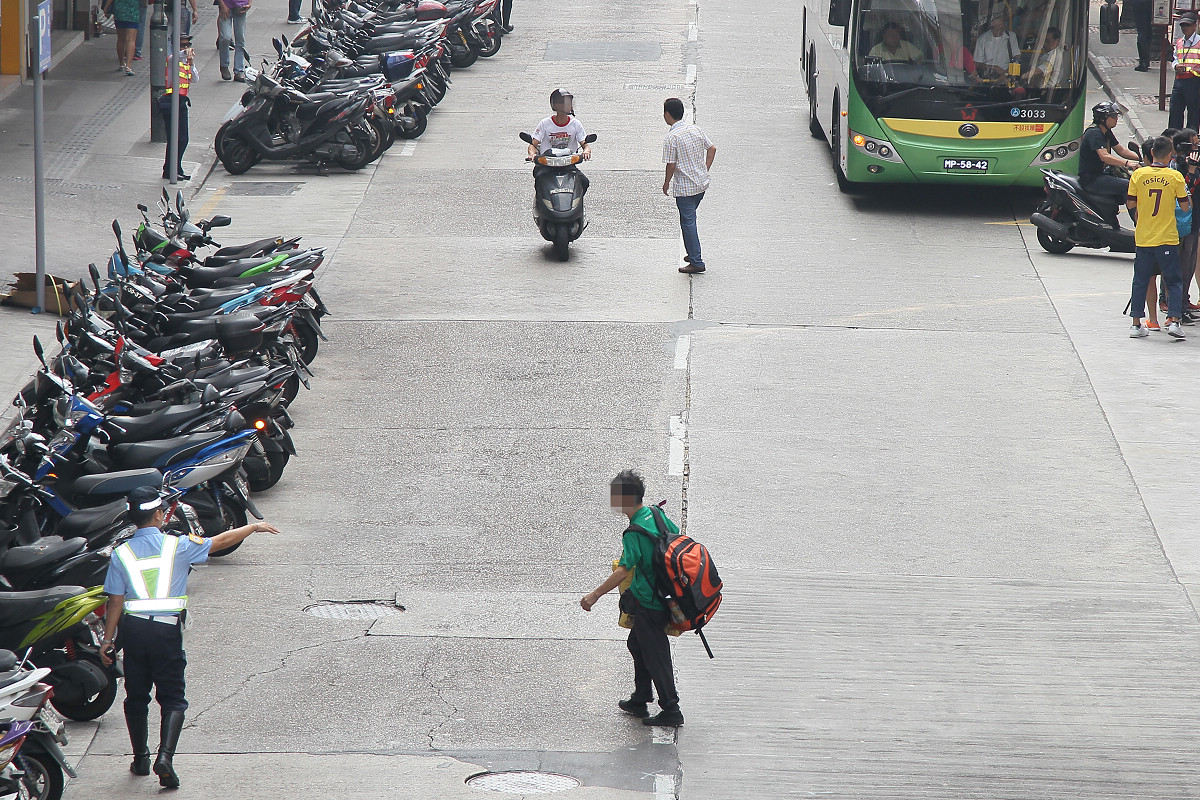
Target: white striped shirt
x,y
686,147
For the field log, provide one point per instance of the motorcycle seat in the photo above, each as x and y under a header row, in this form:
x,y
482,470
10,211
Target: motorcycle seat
x,y
29,558
211,299
90,520
201,277
18,607
236,377
235,252
152,422
122,482
263,279
164,452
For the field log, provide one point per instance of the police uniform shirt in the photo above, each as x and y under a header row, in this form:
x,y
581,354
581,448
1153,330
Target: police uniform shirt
x,y
148,543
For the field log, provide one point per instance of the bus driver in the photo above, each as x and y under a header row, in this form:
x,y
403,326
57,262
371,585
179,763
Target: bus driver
x,y
892,48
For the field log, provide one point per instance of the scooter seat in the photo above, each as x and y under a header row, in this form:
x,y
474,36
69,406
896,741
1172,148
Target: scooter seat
x,y
122,482
164,452
83,521
236,252
201,277
236,377
20,607
212,299
152,423
33,557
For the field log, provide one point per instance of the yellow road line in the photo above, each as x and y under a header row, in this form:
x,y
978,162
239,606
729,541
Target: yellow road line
x,y
212,202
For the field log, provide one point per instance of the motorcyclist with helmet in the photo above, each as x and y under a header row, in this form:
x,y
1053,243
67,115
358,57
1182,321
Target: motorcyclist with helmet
x,y
1099,149
561,130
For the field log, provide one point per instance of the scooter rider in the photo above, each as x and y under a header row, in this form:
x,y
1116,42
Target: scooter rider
x,y
1097,152
562,130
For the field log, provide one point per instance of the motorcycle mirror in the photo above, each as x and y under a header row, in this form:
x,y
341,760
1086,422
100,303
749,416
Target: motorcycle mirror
x,y
219,221
142,208
116,226
95,273
37,349
285,41
591,137
58,332
278,46
179,202
525,137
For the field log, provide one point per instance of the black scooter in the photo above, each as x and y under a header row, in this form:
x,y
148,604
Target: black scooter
x,y
558,197
1069,217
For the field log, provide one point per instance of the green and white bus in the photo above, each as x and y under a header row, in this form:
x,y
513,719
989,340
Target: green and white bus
x,y
946,91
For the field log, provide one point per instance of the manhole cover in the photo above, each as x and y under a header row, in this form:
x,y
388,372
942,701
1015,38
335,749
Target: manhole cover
x,y
522,782
603,51
355,609
265,188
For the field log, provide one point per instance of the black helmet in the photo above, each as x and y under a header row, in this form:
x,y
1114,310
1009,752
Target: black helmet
x,y
562,101
1102,111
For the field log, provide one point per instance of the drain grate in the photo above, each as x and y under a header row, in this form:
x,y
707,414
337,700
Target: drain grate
x,y
354,609
522,782
265,188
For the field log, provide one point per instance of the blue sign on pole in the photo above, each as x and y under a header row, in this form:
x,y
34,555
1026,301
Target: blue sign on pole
x,y
44,33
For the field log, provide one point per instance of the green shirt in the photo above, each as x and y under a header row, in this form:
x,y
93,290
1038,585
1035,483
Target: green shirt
x,y
637,554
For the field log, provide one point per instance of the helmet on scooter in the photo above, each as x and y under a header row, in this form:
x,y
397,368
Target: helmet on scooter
x,y
562,102
1102,111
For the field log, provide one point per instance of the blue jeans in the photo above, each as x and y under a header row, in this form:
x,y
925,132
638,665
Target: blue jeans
x,y
687,222
294,9
142,25
232,28
1146,262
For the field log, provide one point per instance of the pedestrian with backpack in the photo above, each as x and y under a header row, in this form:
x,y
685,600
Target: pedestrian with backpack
x,y
648,643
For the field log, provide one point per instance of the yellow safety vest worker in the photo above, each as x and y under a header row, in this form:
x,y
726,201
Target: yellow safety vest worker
x,y
1187,58
158,568
185,76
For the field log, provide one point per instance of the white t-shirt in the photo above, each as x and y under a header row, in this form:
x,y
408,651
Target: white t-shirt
x,y
997,51
550,136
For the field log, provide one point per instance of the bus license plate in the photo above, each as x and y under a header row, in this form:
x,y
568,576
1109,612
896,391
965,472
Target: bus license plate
x,y
965,164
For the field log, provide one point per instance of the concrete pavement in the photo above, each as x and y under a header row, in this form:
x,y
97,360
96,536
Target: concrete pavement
x,y
947,494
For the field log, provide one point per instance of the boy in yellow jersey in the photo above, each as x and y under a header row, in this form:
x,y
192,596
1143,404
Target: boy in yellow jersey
x,y
1153,191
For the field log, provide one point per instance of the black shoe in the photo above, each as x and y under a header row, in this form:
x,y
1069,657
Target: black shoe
x,y
1142,68
172,725
692,269
138,725
507,28
1188,319
634,708
665,719
181,175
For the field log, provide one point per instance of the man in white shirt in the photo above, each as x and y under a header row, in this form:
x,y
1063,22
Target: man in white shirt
x,y
688,154
1048,73
561,131
995,49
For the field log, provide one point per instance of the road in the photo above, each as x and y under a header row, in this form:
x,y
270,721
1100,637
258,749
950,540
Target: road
x,y
947,496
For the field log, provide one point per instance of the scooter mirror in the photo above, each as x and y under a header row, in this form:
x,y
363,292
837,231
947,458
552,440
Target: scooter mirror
x,y
591,137
95,273
285,41
179,202
142,208
525,137
37,349
278,47
219,221
58,332
117,228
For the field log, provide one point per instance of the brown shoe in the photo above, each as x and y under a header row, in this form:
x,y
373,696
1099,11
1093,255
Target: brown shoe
x,y
692,269
226,75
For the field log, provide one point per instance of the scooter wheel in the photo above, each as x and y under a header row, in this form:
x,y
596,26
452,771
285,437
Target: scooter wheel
x,y
562,242
237,156
1053,245
419,123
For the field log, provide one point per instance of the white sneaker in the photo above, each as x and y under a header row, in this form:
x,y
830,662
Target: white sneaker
x,y
1175,330
1138,331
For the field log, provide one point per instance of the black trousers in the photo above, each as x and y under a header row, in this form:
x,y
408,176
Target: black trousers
x,y
1143,12
154,658
164,109
506,10
651,651
1185,96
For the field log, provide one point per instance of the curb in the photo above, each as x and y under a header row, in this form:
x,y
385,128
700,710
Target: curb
x,y
1099,68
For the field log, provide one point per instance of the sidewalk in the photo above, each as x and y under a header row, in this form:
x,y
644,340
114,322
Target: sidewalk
x,y
1137,92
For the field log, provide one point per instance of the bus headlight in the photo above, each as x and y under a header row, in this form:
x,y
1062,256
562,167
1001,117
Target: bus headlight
x,y
874,148
1056,152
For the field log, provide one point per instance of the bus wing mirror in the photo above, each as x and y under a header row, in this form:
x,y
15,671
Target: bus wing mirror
x,y
1110,23
839,13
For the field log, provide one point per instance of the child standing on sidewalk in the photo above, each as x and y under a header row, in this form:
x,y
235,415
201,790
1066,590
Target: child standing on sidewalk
x,y
1153,192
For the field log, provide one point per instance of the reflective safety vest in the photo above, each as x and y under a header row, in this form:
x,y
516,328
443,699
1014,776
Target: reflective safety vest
x,y
138,570
1188,57
185,77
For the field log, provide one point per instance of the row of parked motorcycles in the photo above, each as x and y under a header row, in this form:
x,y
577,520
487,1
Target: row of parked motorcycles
x,y
176,371
353,80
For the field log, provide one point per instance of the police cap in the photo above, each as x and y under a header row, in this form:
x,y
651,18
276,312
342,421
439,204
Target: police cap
x,y
144,499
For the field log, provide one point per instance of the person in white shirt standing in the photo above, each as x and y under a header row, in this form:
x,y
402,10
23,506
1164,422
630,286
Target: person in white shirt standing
x,y
561,131
689,155
996,49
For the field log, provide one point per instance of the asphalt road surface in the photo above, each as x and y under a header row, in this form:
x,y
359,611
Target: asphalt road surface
x,y
925,458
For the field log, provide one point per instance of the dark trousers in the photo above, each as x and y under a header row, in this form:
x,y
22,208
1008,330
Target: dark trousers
x,y
164,108
1187,262
687,223
154,658
1112,188
1185,97
651,653
506,11
1146,262
294,9
1143,12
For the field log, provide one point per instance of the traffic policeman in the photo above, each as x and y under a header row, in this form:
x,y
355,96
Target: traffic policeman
x,y
1185,93
147,594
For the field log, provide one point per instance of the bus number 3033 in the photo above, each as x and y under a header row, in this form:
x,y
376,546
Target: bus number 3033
x,y
1028,113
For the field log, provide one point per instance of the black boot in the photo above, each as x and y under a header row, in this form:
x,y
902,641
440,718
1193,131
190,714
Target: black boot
x,y
172,725
137,724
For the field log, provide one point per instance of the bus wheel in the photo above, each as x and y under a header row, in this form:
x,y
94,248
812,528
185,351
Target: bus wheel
x,y
814,124
1052,245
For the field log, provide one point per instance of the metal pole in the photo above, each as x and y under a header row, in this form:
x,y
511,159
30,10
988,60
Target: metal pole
x,y
158,70
173,82
39,165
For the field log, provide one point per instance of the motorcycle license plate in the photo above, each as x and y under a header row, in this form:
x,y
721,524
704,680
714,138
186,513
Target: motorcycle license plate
x,y
308,301
242,484
54,723
965,164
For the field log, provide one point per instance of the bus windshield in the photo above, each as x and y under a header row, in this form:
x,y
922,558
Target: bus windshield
x,y
971,59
